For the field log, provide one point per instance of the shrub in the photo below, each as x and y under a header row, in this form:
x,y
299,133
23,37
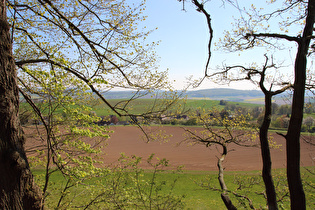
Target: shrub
x,y
191,121
174,122
223,102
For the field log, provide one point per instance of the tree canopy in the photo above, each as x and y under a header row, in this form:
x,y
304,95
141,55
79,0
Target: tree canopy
x,y
67,52
95,45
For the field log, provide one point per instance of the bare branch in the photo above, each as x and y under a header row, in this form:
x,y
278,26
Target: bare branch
x,y
272,35
200,8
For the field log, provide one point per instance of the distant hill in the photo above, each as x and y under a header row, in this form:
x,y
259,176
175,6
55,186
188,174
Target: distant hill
x,y
118,94
212,94
228,94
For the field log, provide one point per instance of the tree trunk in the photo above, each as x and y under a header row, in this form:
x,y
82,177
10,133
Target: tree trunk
x,y
297,195
224,196
266,157
17,188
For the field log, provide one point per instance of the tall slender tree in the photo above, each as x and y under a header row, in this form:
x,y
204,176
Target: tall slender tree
x,y
297,194
249,35
254,29
259,75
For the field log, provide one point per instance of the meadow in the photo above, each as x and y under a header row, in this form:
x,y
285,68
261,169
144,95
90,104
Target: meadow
x,y
188,186
141,105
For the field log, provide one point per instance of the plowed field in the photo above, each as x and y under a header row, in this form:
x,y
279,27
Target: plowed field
x,y
130,140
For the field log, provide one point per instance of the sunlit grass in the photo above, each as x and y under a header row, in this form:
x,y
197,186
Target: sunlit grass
x,y
197,197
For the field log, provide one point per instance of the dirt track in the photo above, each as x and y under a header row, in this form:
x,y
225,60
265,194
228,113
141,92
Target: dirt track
x,y
198,157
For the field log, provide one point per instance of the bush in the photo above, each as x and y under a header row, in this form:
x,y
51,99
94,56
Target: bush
x,y
191,121
303,128
281,122
223,102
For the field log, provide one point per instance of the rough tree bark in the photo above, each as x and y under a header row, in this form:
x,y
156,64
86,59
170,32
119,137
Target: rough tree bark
x,y
297,195
17,188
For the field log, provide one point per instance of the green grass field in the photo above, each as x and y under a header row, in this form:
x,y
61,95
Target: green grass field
x,y
195,196
141,105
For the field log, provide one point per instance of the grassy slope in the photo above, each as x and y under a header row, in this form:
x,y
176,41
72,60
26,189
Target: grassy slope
x,y
140,105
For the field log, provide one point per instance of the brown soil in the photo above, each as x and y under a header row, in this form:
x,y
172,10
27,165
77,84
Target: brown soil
x,y
130,141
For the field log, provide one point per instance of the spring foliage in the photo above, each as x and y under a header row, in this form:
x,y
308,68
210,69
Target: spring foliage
x,y
67,53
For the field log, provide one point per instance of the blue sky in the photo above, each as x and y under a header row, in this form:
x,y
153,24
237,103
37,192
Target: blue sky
x,y
184,38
